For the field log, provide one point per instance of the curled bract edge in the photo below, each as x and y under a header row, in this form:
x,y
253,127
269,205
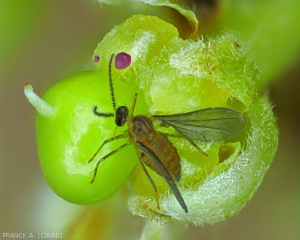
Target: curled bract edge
x,y
185,8
178,76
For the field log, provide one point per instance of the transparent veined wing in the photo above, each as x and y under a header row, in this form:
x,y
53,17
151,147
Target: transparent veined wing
x,y
206,125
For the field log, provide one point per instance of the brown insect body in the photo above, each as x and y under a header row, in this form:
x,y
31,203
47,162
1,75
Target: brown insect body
x,y
142,131
154,148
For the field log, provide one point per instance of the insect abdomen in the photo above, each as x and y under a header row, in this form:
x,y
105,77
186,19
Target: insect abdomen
x,y
166,153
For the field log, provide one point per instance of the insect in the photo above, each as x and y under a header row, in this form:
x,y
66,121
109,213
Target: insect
x,y
154,148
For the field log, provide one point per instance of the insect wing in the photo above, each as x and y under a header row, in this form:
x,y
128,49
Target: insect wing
x,y
206,125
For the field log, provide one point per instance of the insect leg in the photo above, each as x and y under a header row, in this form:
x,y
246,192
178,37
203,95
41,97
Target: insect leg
x,y
106,156
131,110
190,140
196,146
151,181
123,135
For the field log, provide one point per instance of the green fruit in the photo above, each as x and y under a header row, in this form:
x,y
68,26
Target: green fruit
x,y
70,137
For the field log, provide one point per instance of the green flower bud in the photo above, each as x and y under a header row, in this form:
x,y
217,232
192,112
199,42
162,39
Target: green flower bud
x,y
179,76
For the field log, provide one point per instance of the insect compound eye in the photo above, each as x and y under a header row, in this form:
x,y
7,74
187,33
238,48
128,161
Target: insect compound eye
x,y
96,58
121,116
122,60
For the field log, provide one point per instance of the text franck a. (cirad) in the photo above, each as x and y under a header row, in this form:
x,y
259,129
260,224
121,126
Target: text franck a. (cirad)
x,y
39,235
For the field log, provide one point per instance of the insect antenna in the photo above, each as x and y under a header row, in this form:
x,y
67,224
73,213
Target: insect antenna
x,y
112,93
99,114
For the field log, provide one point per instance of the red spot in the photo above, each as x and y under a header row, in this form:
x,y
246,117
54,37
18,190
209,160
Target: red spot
x,y
97,58
122,60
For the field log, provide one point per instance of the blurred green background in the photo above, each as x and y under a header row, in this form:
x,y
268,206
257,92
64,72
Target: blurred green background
x,y
44,41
